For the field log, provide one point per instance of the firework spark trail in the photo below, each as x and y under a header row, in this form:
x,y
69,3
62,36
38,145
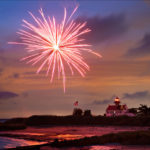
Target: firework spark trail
x,y
55,44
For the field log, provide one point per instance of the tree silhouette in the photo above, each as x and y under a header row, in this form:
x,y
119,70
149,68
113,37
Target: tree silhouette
x,y
144,110
87,113
133,110
77,112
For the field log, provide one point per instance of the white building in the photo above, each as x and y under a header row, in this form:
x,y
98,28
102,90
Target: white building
x,y
117,109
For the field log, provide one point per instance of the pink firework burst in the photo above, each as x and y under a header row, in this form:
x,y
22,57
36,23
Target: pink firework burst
x,y
54,44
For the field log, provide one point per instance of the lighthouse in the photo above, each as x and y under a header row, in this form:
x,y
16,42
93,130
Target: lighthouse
x,y
117,101
117,109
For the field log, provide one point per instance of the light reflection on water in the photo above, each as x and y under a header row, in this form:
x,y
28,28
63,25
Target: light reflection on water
x,y
119,147
66,137
101,147
70,133
12,143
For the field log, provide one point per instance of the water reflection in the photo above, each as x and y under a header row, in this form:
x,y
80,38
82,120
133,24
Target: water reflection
x,y
66,137
118,147
12,143
69,133
101,147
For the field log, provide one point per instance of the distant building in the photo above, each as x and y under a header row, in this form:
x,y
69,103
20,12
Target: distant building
x,y
117,109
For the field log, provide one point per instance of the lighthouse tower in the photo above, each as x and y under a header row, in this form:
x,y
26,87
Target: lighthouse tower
x,y
117,101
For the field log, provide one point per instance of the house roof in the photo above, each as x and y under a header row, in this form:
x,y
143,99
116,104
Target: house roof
x,y
115,107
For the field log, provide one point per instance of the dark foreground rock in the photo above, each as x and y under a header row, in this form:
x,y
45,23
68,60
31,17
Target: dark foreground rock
x,y
124,138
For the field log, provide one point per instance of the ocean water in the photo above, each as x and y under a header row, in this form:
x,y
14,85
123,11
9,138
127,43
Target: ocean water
x,y
48,134
12,143
101,147
3,120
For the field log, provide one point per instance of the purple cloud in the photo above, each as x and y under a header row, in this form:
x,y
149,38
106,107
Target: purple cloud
x,y
137,95
143,48
7,95
104,28
104,101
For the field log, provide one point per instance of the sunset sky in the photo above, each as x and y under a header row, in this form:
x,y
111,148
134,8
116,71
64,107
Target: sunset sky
x,y
120,33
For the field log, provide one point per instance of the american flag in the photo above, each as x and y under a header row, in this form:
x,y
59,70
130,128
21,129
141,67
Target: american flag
x,y
75,103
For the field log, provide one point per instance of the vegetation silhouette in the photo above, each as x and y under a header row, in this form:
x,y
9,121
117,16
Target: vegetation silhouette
x,y
77,112
81,118
87,113
144,110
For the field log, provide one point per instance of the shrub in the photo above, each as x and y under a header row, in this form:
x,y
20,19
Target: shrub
x,y
77,112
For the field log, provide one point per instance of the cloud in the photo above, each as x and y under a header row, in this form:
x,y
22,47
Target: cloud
x,y
1,71
143,48
147,2
16,75
9,59
137,95
29,73
7,95
34,72
101,102
25,94
104,28
104,101
147,70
